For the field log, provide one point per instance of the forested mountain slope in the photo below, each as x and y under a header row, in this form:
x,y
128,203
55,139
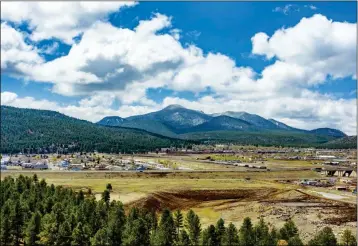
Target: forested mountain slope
x,y
30,128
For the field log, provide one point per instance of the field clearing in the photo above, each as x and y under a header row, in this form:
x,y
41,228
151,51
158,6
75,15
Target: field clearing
x,y
271,163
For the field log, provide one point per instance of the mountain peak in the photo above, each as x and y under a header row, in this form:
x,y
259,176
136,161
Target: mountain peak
x,y
173,106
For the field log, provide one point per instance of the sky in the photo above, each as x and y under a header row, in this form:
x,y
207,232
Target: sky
x,y
291,61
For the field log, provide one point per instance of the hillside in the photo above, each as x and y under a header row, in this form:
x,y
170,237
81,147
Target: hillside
x,y
30,128
349,142
224,122
329,132
254,119
268,138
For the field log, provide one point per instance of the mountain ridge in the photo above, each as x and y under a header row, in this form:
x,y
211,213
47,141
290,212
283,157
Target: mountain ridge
x,y
176,119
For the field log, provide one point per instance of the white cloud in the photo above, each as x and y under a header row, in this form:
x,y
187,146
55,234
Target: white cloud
x,y
62,20
313,49
15,51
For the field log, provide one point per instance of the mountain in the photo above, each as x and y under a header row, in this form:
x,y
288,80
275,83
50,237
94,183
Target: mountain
x,y
111,121
175,117
31,128
254,119
329,132
283,126
224,122
175,120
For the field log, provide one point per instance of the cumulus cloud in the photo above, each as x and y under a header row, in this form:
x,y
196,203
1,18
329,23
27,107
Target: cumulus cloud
x,y
14,50
313,49
61,20
110,63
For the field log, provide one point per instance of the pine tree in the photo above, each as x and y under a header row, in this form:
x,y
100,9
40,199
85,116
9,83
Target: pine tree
x,y
100,238
178,221
116,223
49,231
81,235
135,233
35,178
261,233
220,229
193,226
184,239
164,234
16,222
295,241
106,196
348,239
6,235
33,229
80,197
323,238
231,237
288,230
209,237
109,187
64,234
273,237
246,233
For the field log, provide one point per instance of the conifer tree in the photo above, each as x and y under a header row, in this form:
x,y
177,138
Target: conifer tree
x,y
81,235
261,233
109,187
295,241
324,237
64,234
116,223
16,222
246,233
184,239
33,229
178,221
193,226
106,196
288,230
100,238
209,237
135,232
220,229
6,234
231,237
348,239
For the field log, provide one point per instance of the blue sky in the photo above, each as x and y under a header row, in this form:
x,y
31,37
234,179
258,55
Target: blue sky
x,y
282,60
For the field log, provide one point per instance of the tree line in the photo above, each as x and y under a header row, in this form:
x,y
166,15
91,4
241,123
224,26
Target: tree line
x,y
35,213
